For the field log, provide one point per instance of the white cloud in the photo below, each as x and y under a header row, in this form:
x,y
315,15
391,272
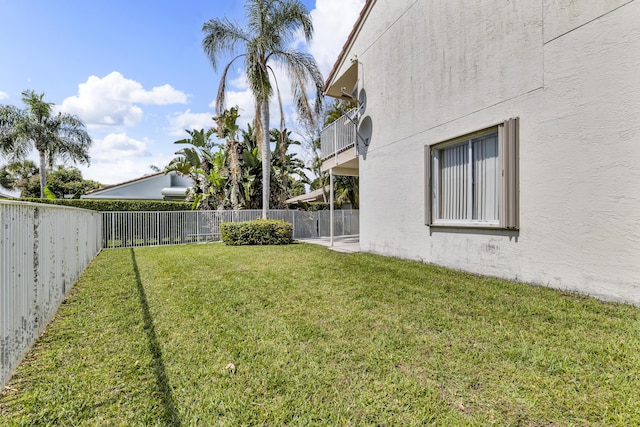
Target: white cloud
x,y
109,173
333,21
160,95
118,157
178,122
116,146
111,100
3,95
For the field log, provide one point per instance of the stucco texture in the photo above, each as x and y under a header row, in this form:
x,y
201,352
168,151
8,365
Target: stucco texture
x,y
436,70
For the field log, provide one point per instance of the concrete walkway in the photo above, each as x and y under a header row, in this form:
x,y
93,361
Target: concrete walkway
x,y
345,244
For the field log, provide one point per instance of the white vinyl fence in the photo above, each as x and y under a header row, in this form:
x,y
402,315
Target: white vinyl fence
x,y
130,229
43,250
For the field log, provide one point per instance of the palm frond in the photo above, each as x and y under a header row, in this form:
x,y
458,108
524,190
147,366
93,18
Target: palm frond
x,y
288,18
222,36
222,87
302,69
280,104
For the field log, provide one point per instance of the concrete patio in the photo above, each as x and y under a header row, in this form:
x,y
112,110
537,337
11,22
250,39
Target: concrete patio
x,y
347,244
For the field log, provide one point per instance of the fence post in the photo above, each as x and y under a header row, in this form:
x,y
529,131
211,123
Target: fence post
x,y
293,223
113,231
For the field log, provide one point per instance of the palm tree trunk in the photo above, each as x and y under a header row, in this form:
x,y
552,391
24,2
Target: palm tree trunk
x,y
258,128
266,161
43,173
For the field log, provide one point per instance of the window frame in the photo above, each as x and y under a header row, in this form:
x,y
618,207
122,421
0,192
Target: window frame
x,y
507,189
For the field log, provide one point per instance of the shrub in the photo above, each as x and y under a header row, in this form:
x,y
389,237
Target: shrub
x,y
257,232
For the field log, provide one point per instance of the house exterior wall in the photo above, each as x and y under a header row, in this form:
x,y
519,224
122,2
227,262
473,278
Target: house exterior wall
x,y
434,70
146,188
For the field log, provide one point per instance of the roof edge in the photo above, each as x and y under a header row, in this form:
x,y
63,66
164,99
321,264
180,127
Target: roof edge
x,y
124,183
345,48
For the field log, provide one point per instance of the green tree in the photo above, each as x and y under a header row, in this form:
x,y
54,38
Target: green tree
x,y
25,176
251,169
203,166
230,177
287,170
265,39
17,176
64,182
227,129
55,136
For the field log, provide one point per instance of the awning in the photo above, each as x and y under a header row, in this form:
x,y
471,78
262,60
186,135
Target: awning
x,y
345,86
313,196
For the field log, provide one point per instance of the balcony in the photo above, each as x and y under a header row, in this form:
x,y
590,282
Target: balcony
x,y
338,146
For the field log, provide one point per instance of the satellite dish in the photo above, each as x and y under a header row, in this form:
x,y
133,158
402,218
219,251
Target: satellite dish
x,y
365,130
362,101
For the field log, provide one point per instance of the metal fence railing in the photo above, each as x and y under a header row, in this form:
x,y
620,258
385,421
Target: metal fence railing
x,y
131,229
338,136
43,250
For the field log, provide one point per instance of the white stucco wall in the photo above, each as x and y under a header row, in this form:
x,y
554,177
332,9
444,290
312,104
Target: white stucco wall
x,y
146,188
435,70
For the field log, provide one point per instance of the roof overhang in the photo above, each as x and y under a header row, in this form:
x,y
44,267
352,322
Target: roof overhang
x,y
344,87
174,192
313,196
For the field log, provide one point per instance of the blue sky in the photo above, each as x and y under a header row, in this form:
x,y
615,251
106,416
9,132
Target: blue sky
x,y
135,71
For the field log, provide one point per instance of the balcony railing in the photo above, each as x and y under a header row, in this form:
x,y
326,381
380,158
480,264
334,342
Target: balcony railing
x,y
338,136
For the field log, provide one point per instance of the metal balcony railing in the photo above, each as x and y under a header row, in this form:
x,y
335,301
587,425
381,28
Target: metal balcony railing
x,y
338,136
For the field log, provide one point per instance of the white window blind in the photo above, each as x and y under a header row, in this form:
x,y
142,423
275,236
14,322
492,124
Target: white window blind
x,y
474,180
486,178
454,179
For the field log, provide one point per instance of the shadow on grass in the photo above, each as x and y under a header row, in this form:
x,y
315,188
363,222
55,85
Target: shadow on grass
x,y
169,406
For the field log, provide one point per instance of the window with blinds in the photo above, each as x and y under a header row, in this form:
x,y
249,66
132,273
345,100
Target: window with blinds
x,y
472,180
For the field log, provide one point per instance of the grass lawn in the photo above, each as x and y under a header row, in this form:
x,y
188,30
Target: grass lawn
x,y
300,335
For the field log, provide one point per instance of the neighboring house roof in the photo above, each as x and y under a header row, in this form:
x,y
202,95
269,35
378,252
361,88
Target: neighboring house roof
x,y
8,194
312,196
155,186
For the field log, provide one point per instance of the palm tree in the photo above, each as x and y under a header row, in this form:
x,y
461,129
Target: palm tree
x,y
54,136
265,39
203,166
227,129
286,168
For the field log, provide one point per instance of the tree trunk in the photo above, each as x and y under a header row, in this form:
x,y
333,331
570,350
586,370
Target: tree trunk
x,y
266,161
43,173
258,128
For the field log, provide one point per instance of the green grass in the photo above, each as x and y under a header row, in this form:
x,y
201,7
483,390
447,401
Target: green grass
x,y
321,338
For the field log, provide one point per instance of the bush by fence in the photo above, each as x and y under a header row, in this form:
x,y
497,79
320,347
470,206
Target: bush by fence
x,y
257,232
